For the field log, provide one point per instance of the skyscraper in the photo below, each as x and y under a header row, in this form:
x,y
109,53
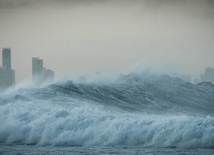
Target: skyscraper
x,y
7,75
6,58
37,66
39,74
37,69
208,75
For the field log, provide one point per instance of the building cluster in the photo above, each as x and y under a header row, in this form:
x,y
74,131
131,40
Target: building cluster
x,y
7,74
208,75
40,74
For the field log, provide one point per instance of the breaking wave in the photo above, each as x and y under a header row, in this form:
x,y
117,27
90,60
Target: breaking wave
x,y
149,111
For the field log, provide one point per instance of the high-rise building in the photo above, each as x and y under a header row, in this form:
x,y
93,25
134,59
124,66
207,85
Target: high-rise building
x,y
48,75
6,58
37,66
7,75
7,78
208,75
40,74
37,69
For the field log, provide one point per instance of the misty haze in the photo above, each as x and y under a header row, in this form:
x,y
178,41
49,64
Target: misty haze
x,y
106,77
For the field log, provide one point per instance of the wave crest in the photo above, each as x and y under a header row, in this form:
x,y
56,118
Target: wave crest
x,y
155,111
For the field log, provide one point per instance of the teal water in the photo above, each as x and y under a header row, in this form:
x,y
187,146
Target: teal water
x,y
114,150
131,115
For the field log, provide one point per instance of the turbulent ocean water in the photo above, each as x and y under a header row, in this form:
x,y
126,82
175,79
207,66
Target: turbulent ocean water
x,y
134,114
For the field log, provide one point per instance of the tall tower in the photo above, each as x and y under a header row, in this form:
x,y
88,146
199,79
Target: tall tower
x,y
7,75
37,70
40,75
6,58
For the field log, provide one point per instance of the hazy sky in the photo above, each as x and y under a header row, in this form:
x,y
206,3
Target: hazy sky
x,y
86,36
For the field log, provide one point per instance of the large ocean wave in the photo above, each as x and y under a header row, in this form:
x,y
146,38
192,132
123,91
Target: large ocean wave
x,y
144,110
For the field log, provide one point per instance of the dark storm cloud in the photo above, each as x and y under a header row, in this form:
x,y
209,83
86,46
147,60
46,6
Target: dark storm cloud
x,y
10,4
210,2
149,4
159,3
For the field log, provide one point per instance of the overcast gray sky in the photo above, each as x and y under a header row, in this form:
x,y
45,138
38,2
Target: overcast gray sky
x,y
86,36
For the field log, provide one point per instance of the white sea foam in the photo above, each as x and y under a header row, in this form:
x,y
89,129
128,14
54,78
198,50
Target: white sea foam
x,y
157,111
81,123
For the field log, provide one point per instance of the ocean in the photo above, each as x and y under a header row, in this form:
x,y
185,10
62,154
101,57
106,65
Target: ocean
x,y
134,114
